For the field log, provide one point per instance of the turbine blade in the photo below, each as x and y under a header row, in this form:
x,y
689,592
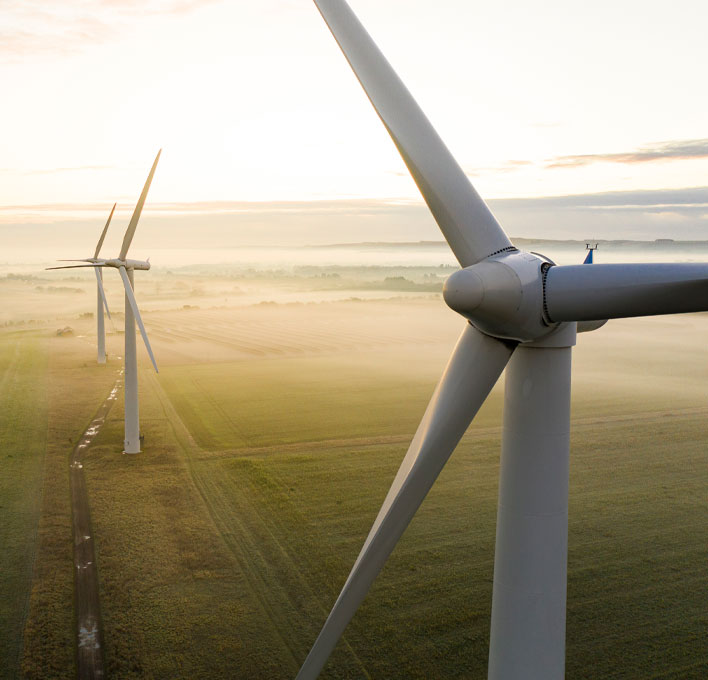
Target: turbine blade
x,y
474,367
74,266
103,233
613,291
136,313
99,280
130,231
464,219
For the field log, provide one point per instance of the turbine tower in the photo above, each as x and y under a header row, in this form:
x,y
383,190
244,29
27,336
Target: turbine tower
x,y
521,312
126,268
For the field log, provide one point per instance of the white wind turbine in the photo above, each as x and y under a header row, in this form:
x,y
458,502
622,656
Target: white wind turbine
x,y
522,313
126,267
100,293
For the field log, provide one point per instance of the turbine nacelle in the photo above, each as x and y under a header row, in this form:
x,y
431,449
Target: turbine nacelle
x,y
502,296
128,264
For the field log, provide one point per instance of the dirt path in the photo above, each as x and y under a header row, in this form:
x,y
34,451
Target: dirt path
x,y
89,642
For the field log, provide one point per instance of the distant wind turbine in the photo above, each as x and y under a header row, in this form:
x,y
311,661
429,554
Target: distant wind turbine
x,y
126,267
100,293
522,312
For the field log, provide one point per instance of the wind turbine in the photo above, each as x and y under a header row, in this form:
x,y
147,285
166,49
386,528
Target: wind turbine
x,y
100,293
522,312
126,268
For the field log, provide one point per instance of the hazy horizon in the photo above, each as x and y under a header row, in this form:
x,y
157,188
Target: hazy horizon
x,y
48,232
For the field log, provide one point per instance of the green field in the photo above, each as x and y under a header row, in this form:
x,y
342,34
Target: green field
x,y
223,545
276,401
23,433
73,386
297,514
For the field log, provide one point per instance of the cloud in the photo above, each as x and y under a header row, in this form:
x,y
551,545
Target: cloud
x,y
55,171
692,199
47,36
660,151
39,28
334,207
155,7
680,214
645,215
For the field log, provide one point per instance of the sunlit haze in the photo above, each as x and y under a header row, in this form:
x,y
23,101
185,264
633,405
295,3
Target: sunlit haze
x,y
253,102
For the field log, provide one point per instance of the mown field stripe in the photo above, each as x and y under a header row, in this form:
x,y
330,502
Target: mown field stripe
x,y
187,444
242,540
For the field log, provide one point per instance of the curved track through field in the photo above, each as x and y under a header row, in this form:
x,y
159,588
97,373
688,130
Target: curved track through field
x,y
89,639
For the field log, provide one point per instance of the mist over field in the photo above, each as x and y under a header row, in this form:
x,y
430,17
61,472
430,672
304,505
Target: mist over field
x,y
291,382
210,277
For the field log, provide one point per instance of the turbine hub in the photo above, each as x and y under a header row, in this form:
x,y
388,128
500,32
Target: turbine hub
x,y
464,290
502,296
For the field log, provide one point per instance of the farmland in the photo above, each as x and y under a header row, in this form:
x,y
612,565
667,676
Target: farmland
x,y
272,434
23,360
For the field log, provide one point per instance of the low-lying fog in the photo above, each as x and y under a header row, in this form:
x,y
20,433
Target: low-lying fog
x,y
242,277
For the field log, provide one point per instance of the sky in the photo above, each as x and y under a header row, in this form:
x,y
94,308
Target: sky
x,y
262,122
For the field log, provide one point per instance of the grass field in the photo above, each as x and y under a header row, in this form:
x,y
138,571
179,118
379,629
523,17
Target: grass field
x,y
300,507
272,435
23,365
175,602
74,387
